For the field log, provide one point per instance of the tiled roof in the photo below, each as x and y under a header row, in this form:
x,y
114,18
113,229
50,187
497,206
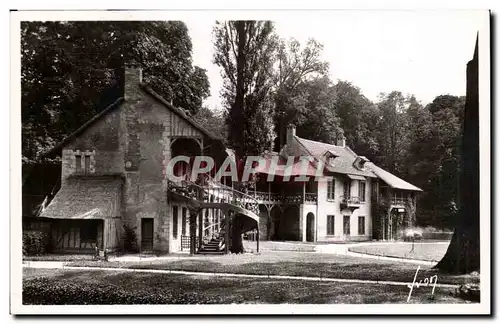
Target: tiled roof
x,y
86,198
179,111
390,178
343,163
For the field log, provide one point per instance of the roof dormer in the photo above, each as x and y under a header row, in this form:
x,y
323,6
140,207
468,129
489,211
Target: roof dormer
x,y
330,157
359,163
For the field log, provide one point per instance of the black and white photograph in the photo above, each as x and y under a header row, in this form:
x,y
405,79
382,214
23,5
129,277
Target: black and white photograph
x,y
250,162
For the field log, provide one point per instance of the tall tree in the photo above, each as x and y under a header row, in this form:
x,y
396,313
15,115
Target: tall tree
x,y
358,118
463,254
245,50
391,131
70,70
295,65
315,116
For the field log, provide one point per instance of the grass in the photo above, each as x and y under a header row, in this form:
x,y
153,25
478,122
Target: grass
x,y
218,290
292,264
421,251
58,257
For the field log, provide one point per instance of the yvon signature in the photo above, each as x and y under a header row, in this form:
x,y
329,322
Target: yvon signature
x,y
425,283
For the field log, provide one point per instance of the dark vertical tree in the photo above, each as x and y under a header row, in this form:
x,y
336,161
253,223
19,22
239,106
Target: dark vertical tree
x,y
245,51
463,254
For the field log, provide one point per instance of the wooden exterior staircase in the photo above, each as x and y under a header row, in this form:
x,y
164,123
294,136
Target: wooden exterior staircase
x,y
209,194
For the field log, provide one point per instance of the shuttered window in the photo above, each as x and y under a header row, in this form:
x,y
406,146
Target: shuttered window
x,y
331,190
347,225
175,221
361,225
330,225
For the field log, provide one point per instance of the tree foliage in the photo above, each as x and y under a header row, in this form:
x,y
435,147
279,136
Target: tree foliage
x,y
214,120
245,51
71,70
295,66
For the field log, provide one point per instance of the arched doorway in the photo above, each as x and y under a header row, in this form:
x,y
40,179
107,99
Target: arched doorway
x,y
264,223
310,227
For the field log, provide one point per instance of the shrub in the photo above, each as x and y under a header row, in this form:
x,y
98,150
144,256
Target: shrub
x,y
43,291
129,238
35,243
47,291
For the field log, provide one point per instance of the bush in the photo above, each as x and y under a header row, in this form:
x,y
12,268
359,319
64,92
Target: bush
x,y
43,291
35,243
129,238
47,291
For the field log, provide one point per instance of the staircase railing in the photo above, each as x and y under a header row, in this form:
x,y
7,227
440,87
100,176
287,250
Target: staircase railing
x,y
212,191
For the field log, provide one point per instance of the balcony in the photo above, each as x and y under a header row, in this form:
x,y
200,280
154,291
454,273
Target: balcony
x,y
350,202
276,198
394,202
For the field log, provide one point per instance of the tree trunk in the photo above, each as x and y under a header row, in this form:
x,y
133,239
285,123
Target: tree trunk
x,y
462,255
237,111
236,239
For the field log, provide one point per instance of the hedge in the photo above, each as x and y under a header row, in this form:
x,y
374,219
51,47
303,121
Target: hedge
x,y
46,291
36,243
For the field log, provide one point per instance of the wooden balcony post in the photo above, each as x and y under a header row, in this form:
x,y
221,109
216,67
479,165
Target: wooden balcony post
x,y
226,232
258,238
200,228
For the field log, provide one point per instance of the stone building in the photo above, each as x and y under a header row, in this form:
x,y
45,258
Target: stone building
x,y
114,179
113,173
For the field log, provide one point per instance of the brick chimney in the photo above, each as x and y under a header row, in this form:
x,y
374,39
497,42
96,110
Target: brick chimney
x,y
290,133
341,141
132,80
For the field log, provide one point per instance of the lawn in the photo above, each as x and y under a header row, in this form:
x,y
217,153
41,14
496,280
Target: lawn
x,y
292,264
100,287
420,251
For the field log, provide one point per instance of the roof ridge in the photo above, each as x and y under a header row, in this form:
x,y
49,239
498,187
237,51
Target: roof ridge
x,y
323,143
89,122
177,110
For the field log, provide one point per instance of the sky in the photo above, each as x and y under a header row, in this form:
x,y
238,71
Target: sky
x,y
423,53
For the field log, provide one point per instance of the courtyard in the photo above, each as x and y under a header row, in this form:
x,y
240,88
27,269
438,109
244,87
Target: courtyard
x,y
266,277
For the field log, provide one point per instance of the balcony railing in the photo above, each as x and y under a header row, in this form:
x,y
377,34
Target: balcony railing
x,y
266,197
394,201
351,200
311,198
269,197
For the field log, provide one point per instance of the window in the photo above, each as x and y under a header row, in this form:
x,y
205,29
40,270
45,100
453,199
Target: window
x,y
331,190
347,189
78,161
88,232
362,191
175,221
87,164
361,225
330,225
347,225
184,220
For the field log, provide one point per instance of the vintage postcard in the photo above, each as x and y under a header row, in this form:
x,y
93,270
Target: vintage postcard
x,y
250,162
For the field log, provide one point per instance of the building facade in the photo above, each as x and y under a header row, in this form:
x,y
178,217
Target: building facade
x,y
114,181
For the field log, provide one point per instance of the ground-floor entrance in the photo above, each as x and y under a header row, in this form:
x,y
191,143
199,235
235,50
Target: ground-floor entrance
x,y
77,235
147,227
394,223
